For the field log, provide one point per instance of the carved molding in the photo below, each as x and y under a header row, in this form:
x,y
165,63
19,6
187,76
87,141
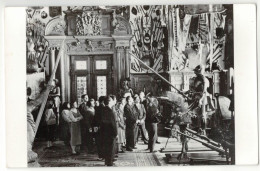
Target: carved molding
x,y
89,46
55,27
122,40
81,44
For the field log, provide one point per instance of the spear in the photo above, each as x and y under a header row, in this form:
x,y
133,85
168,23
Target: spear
x,y
47,92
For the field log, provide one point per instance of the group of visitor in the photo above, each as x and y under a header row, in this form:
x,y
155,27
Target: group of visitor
x,y
107,126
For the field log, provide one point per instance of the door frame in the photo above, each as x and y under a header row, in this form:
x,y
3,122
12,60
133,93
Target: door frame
x,y
91,73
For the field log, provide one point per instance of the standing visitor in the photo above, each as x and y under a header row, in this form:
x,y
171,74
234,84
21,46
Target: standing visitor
x,y
65,122
88,124
83,111
75,116
140,110
151,122
50,119
121,124
130,121
96,124
108,131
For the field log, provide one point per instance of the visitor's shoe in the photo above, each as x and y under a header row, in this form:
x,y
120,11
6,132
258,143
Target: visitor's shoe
x,y
135,147
157,142
122,151
145,142
147,149
114,159
129,149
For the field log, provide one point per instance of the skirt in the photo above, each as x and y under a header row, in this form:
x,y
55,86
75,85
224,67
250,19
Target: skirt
x,y
121,135
75,133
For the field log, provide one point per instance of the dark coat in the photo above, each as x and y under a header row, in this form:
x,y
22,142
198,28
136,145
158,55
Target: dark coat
x,y
130,115
98,114
108,128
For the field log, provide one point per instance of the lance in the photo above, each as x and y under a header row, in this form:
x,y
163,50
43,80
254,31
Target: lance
x,y
39,116
180,92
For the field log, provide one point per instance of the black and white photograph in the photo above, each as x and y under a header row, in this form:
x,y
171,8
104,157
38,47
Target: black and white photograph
x,y
138,85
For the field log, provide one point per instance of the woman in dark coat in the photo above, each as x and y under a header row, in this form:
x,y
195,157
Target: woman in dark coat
x,y
108,131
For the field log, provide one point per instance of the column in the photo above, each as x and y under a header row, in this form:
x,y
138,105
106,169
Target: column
x,y
118,64
62,77
127,62
52,59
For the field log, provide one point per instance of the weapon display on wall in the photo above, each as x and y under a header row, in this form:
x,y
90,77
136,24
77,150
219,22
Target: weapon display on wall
x,y
180,92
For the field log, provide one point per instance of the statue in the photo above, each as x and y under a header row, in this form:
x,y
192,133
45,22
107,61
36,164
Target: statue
x,y
125,88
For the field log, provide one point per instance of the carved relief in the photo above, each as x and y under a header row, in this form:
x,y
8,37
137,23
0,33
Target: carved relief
x,y
88,24
56,27
121,26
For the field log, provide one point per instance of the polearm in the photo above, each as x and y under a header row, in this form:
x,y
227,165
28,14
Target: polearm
x,y
159,75
39,116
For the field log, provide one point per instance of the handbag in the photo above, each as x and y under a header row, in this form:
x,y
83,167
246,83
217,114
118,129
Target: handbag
x,y
51,121
157,117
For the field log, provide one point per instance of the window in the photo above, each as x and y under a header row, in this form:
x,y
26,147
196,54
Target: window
x,y
101,86
81,87
101,64
81,65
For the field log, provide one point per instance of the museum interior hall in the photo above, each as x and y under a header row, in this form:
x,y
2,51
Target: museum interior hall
x,y
141,85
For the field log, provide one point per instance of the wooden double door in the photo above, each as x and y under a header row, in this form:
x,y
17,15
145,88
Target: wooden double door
x,y
90,75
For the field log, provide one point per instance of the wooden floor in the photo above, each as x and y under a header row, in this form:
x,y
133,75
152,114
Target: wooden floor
x,y
60,155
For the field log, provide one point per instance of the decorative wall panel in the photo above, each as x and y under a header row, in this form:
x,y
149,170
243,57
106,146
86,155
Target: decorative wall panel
x,y
148,42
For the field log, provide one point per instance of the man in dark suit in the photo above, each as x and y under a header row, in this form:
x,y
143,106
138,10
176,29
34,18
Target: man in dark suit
x,y
87,142
131,119
108,131
151,122
96,124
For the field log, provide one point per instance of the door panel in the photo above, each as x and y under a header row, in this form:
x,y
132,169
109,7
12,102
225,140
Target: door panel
x,y
90,75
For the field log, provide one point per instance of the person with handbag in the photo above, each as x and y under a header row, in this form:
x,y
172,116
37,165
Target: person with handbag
x,y
50,119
